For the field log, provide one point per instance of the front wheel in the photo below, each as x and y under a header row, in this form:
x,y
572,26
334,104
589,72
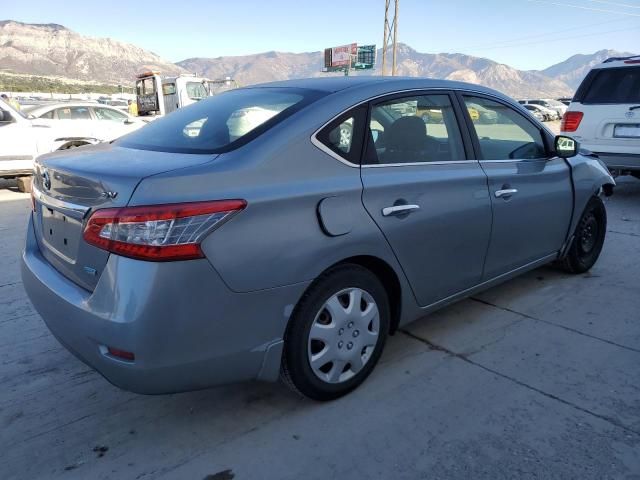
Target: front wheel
x,y
589,238
336,333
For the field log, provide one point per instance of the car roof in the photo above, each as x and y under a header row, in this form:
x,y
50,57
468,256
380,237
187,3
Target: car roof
x,y
335,84
32,109
617,62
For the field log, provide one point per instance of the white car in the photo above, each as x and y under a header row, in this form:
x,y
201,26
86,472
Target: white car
x,y
557,108
604,115
22,139
547,114
102,122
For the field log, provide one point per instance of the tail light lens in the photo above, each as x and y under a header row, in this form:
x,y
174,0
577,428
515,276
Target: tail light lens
x,y
571,121
158,232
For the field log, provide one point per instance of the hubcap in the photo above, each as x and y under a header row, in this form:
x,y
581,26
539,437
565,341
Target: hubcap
x,y
588,234
343,335
345,137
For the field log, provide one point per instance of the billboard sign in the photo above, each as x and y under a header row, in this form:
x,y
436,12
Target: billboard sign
x,y
366,57
340,56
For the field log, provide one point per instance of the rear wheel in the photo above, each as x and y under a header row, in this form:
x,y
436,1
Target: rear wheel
x,y
589,238
336,334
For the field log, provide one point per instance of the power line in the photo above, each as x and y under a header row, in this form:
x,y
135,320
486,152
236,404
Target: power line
x,y
615,4
582,7
558,39
545,34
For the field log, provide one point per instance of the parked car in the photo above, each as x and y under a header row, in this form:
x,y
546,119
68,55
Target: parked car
x,y
102,122
555,106
547,115
171,261
22,139
433,115
537,112
605,114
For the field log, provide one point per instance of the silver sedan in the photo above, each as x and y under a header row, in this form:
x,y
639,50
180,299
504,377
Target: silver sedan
x,y
221,244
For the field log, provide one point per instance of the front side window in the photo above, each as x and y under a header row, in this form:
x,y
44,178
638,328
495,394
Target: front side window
x,y
109,114
413,130
503,133
73,113
220,123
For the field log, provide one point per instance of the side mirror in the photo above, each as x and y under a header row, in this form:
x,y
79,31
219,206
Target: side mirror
x,y
128,121
566,147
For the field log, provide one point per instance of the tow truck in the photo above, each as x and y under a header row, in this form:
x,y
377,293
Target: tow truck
x,y
157,96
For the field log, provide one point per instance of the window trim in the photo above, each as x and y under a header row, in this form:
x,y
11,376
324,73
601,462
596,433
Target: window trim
x,y
544,133
467,139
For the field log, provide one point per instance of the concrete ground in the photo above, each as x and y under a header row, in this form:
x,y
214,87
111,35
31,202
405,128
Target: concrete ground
x,y
536,379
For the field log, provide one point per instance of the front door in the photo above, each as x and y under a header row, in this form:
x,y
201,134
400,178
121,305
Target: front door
x,y
531,193
428,199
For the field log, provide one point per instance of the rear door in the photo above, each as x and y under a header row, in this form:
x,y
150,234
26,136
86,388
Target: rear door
x,y
610,102
531,192
430,201
74,121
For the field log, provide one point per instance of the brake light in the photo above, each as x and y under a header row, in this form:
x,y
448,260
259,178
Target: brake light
x,y
158,232
571,121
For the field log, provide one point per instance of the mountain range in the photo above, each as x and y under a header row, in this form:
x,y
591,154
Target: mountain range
x,y
52,50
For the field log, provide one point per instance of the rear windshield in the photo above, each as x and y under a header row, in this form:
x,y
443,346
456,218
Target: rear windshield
x,y
610,85
220,123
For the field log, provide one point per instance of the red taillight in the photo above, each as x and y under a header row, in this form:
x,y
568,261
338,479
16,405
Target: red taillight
x,y
571,121
122,354
158,232
633,62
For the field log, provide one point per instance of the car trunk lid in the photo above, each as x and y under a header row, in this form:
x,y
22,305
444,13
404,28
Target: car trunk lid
x,y
69,186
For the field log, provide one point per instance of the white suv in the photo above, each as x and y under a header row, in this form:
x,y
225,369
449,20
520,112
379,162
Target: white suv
x,y
604,115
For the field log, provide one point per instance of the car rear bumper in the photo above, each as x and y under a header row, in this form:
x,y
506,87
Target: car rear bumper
x,y
187,329
625,161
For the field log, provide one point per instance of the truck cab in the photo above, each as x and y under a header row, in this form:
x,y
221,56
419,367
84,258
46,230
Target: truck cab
x,y
156,95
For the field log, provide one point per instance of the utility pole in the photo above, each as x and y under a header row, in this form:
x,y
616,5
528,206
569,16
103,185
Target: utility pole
x,y
390,38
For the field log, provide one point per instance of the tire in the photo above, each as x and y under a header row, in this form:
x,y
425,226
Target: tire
x,y
345,344
589,238
636,174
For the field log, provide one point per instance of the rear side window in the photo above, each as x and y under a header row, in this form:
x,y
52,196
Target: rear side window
x,y
343,136
415,129
220,123
73,113
610,85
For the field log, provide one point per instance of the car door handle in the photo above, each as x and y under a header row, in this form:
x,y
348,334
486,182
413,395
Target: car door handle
x,y
507,192
399,210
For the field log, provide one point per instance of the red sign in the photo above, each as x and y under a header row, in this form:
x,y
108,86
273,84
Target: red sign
x,y
341,56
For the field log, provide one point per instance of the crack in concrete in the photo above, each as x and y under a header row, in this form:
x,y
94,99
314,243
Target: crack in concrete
x,y
465,358
547,322
624,233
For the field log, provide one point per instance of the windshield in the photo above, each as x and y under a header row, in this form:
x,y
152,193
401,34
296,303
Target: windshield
x,y
220,123
7,108
196,90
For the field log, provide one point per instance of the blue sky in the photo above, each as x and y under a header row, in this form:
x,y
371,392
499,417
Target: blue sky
x,y
526,34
